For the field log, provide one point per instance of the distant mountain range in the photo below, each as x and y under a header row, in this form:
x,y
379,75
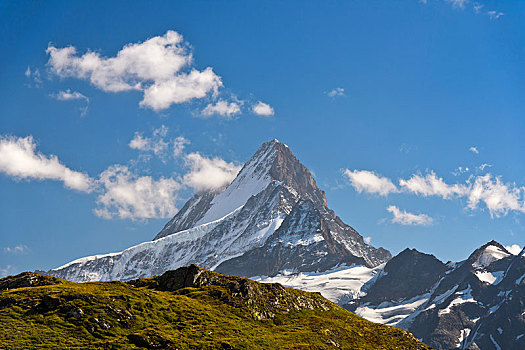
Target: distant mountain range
x,y
272,224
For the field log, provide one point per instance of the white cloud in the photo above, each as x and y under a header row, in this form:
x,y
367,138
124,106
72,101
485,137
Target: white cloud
x,y
129,196
158,67
498,197
367,240
335,92
474,150
460,170
178,145
513,249
209,173
483,166
261,108
477,7
33,75
155,144
19,159
431,185
404,218
158,144
494,14
19,249
368,181
8,270
458,3
69,95
222,108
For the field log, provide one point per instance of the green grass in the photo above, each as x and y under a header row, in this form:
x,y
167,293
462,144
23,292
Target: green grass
x,y
114,315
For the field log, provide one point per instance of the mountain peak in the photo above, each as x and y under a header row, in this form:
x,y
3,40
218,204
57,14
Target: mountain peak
x,y
273,201
488,253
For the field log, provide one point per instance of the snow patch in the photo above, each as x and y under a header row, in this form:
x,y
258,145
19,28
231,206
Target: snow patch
x,y
390,313
339,285
462,336
489,255
465,296
252,179
490,277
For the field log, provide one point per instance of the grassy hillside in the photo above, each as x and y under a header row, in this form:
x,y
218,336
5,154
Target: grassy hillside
x,y
183,309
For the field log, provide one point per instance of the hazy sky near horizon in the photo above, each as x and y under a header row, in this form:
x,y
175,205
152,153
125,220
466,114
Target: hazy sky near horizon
x,y
409,114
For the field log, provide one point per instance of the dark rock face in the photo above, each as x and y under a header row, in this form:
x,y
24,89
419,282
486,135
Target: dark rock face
x,y
478,303
271,217
305,242
418,271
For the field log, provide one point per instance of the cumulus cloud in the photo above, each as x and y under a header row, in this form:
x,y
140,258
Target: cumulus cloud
x,y
460,170
19,159
405,218
494,14
431,185
513,249
178,145
19,249
34,75
222,108
7,270
335,92
368,181
483,166
69,95
458,3
477,7
126,195
261,108
158,144
160,67
129,196
474,149
208,173
498,197
155,144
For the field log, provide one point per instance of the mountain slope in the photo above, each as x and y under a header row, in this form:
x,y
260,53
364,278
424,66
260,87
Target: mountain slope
x,y
182,309
228,229
478,303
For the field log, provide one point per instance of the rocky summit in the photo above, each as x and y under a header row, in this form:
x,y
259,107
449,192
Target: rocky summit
x,y
271,218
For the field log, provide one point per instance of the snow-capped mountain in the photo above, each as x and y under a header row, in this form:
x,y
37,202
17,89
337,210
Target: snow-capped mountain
x,y
271,218
478,303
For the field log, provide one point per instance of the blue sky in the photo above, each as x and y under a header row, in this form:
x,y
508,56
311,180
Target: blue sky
x,y
387,103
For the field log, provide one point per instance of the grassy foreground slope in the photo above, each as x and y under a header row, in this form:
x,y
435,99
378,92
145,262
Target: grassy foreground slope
x,y
186,308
